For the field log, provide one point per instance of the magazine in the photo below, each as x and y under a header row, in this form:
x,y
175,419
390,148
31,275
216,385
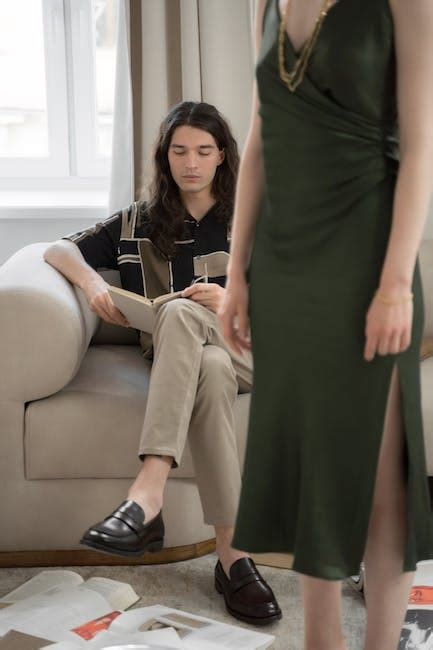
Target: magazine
x,y
417,630
58,610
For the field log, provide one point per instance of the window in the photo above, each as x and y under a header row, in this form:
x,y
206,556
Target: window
x,y
57,65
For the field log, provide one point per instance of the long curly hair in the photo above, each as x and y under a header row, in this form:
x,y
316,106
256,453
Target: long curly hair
x,y
164,208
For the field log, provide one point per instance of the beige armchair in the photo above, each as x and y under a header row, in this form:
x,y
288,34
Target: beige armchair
x,y
72,401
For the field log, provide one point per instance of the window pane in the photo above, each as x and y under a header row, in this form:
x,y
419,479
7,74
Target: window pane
x,y
105,26
23,105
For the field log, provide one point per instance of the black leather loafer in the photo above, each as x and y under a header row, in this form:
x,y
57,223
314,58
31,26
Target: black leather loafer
x,y
125,533
247,595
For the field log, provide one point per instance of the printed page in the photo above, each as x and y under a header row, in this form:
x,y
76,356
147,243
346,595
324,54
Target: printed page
x,y
54,613
196,632
417,629
213,635
41,582
166,639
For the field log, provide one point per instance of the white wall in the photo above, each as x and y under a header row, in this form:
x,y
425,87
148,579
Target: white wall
x,y
16,233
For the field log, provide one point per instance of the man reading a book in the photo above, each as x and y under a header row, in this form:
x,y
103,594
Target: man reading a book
x,y
172,242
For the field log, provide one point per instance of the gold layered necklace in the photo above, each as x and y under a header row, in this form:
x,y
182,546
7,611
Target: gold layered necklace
x,y
293,79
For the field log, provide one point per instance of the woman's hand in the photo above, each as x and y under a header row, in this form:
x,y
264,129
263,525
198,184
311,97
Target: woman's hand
x,y
233,313
388,328
209,294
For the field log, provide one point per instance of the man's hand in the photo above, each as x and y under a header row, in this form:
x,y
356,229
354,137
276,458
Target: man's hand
x,y
208,294
101,302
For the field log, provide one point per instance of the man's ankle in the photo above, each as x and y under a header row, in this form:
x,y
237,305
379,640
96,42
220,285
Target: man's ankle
x,y
151,504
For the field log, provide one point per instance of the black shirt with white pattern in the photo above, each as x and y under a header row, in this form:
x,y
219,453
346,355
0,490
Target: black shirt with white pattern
x,y
121,243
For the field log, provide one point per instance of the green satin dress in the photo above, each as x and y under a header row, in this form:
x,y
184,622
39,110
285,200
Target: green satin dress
x,y
317,408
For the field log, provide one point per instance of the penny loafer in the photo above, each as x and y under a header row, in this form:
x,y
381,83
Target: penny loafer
x,y
247,595
124,532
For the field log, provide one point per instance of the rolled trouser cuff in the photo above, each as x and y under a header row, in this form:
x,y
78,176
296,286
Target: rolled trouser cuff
x,y
153,451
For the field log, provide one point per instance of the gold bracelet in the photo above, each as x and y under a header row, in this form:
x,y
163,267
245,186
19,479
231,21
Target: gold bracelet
x,y
393,301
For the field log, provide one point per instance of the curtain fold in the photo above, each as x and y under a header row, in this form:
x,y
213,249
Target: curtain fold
x,y
122,167
171,51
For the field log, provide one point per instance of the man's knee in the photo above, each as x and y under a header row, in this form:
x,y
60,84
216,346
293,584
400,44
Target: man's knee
x,y
217,366
179,308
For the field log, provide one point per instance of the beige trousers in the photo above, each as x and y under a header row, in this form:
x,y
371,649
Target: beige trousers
x,y
194,382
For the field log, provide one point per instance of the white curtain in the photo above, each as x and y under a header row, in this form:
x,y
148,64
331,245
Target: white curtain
x,y
122,166
197,50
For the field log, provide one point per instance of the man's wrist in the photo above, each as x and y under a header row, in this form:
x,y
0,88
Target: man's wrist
x,y
89,278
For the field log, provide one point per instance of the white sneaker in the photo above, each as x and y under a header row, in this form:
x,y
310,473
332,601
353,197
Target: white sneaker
x,y
358,582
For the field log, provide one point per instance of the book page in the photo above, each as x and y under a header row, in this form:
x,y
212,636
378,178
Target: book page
x,y
53,613
166,639
196,632
40,582
120,595
128,295
160,300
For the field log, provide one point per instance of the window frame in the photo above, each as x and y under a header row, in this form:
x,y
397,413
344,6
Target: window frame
x,y
69,45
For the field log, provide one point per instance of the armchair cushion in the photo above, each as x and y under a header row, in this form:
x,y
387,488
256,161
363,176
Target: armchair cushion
x,y
91,428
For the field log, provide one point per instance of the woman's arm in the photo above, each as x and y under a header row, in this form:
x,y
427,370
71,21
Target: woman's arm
x,y
388,327
250,181
233,311
413,26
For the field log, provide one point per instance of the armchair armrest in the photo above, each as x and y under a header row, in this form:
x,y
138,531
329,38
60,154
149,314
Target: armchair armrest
x,y
45,326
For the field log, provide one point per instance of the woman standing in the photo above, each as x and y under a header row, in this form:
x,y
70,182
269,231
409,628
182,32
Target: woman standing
x,y
335,468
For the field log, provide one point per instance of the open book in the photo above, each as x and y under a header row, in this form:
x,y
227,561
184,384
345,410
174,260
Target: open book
x,y
119,595
139,311
52,603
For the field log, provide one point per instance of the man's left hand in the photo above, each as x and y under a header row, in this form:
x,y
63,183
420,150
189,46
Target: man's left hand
x,y
208,294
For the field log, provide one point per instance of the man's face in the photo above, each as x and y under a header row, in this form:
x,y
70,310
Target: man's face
x,y
193,156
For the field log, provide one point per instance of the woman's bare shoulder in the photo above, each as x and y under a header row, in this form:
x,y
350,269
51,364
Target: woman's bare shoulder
x,y
413,29
416,13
